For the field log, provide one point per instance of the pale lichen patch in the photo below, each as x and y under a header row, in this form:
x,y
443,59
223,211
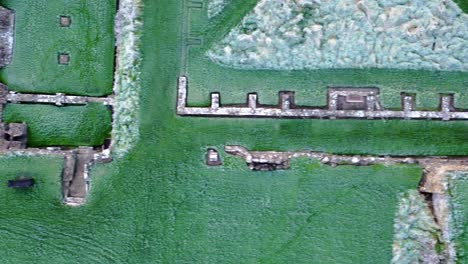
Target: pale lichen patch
x,y
312,34
417,236
215,7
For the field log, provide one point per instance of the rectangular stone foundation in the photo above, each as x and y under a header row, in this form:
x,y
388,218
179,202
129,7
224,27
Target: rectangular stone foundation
x,y
343,103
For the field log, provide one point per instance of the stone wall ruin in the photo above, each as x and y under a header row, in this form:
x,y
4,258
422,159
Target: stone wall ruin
x,y
7,31
343,103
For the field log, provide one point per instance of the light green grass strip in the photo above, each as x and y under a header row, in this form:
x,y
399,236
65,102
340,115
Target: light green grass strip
x,y
127,85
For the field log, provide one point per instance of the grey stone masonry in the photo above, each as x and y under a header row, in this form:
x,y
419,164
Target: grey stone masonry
x,y
57,99
13,136
343,102
7,31
3,99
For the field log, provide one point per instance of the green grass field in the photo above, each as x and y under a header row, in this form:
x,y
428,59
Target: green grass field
x,y
46,172
190,213
161,204
62,126
39,40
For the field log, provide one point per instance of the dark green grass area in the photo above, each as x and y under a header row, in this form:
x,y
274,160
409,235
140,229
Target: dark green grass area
x,y
65,126
47,191
206,76
459,201
39,40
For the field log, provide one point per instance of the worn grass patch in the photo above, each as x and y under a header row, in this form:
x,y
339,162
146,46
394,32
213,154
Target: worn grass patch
x,y
62,126
39,40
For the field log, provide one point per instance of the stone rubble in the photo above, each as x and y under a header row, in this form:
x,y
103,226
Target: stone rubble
x,y
58,99
7,35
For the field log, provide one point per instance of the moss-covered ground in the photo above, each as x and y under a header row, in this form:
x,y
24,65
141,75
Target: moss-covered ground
x,y
161,204
463,5
62,126
46,172
40,38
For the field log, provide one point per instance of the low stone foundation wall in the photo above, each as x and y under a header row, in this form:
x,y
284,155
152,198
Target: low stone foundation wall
x,y
343,103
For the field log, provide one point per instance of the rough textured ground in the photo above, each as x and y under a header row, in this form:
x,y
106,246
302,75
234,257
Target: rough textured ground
x,y
309,34
39,40
416,233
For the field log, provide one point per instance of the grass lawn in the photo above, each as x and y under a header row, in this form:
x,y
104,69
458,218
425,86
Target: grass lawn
x,y
142,213
39,39
65,126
